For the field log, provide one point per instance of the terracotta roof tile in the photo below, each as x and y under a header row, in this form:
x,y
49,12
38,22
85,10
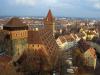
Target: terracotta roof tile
x,y
5,58
66,38
15,22
84,45
34,37
62,39
69,38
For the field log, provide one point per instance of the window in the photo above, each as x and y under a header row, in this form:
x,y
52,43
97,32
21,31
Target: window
x,y
33,45
16,34
38,45
22,34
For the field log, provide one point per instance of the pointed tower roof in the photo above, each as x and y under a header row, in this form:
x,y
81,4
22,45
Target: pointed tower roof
x,y
49,16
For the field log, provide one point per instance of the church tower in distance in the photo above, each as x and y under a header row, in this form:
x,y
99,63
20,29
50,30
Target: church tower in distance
x,y
49,22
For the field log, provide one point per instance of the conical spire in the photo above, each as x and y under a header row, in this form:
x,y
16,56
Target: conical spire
x,y
49,16
49,21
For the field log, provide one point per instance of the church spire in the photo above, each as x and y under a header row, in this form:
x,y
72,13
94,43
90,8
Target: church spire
x,y
49,22
49,16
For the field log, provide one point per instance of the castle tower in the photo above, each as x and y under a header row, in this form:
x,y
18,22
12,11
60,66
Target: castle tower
x,y
49,22
16,37
42,43
42,49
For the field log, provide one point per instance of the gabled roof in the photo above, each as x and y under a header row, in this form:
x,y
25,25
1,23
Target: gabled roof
x,y
92,51
15,22
37,37
66,38
84,45
62,39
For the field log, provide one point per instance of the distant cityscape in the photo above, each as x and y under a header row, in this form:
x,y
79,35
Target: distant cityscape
x,y
57,17
49,45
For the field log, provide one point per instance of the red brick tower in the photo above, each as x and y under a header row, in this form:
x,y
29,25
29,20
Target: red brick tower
x,y
49,22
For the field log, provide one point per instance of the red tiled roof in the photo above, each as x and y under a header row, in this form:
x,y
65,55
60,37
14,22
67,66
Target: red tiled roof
x,y
34,37
5,58
15,22
66,38
92,51
62,39
69,38
37,37
84,45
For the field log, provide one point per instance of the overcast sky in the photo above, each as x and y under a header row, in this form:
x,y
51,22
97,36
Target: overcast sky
x,y
68,8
